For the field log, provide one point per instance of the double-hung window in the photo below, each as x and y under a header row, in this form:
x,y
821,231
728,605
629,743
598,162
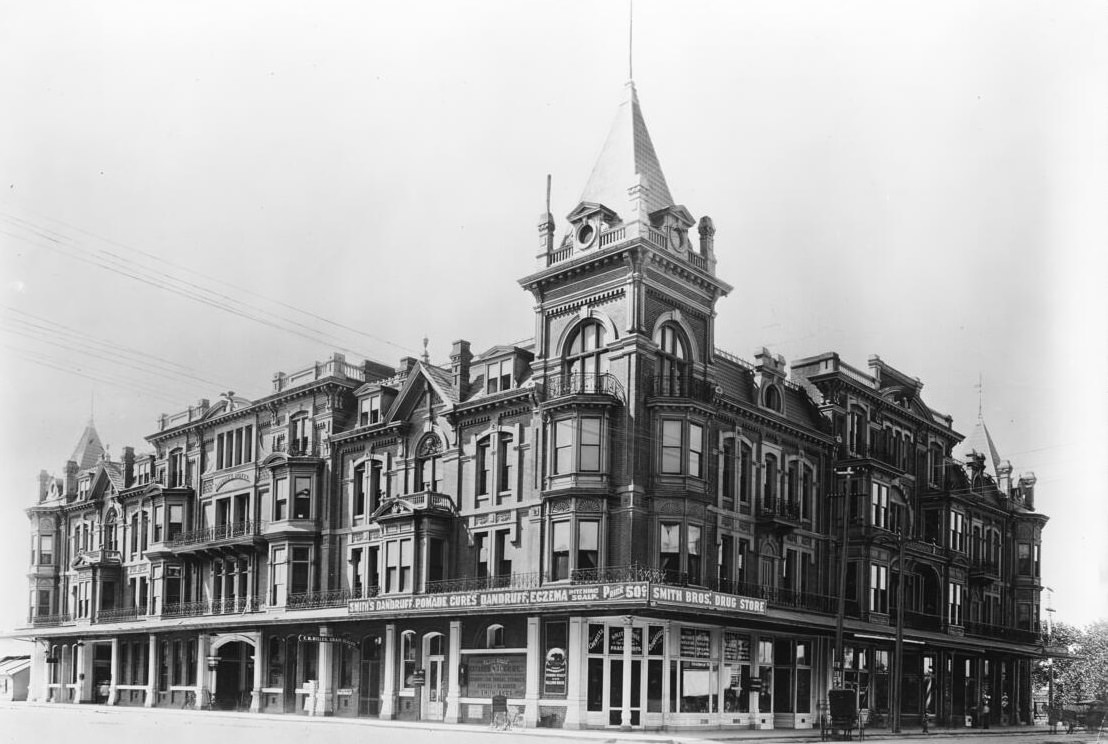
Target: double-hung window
x,y
879,505
682,448
681,550
369,410
957,532
575,547
878,588
498,376
955,593
398,565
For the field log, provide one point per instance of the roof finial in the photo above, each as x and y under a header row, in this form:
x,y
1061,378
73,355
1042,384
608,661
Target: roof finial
x,y
426,356
548,193
91,407
980,392
630,39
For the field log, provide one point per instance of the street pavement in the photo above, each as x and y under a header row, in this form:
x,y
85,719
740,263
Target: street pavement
x,y
34,723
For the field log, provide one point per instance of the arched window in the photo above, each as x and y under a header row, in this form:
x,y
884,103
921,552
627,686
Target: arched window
x,y
407,657
428,476
672,360
586,356
494,636
108,536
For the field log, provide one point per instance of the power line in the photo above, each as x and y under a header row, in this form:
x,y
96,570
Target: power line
x,y
62,366
125,262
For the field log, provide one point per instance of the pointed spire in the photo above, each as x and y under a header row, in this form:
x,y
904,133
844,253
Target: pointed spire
x,y
89,449
627,170
981,442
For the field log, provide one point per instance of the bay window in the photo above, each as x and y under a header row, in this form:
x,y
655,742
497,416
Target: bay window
x,y
577,445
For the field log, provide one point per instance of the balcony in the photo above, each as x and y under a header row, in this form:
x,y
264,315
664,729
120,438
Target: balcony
x,y
530,580
984,571
919,620
778,514
297,448
223,606
49,621
682,387
123,615
219,538
603,385
110,558
1001,632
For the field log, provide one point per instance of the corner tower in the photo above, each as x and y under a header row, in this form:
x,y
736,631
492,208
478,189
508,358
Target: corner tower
x,y
625,298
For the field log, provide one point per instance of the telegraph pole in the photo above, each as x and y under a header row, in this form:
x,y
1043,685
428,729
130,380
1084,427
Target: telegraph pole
x,y
837,670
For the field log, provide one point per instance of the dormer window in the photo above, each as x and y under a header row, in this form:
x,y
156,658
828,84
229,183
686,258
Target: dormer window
x,y
498,376
369,410
773,398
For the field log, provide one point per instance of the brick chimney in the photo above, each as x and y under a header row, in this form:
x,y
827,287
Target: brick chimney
x,y
460,357
406,364
71,479
128,466
43,485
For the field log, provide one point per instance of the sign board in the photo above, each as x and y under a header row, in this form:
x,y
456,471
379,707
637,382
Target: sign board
x,y
633,593
554,672
488,675
418,678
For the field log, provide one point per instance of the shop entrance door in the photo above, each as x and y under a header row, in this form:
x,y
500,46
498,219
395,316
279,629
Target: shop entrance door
x,y
615,692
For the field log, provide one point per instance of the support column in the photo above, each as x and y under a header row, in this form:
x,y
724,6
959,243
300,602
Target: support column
x,y
80,696
113,685
575,673
152,673
323,705
388,689
40,670
534,673
203,675
453,674
261,658
625,717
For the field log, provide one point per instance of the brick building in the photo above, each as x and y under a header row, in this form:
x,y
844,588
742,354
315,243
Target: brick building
x,y
614,523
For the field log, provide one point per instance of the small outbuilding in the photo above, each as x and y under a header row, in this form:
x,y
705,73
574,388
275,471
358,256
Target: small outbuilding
x,y
15,675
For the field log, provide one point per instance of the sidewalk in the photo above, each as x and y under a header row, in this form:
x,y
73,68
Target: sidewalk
x,y
605,735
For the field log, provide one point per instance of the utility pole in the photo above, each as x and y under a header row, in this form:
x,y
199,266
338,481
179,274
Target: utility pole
x,y
898,678
837,670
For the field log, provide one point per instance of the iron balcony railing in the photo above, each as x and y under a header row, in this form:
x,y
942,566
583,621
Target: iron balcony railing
x,y
602,383
776,596
779,508
1001,632
614,574
529,580
45,621
121,615
681,386
322,599
232,531
297,448
221,606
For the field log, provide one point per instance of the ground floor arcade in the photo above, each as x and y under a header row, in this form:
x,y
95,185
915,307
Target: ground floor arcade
x,y
611,662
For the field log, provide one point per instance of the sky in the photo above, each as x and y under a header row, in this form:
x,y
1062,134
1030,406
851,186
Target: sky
x,y
194,196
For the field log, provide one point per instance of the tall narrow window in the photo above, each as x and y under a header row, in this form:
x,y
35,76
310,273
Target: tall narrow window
x,y
746,457
727,475
769,488
560,549
671,446
302,499
481,547
696,450
669,549
694,552
588,545
563,446
301,570
498,376
590,444
484,471
879,505
360,485
505,458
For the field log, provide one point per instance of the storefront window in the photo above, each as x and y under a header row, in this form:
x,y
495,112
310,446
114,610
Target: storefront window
x,y
765,673
736,673
692,677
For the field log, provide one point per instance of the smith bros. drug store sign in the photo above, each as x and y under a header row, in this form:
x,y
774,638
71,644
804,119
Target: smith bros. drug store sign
x,y
635,593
